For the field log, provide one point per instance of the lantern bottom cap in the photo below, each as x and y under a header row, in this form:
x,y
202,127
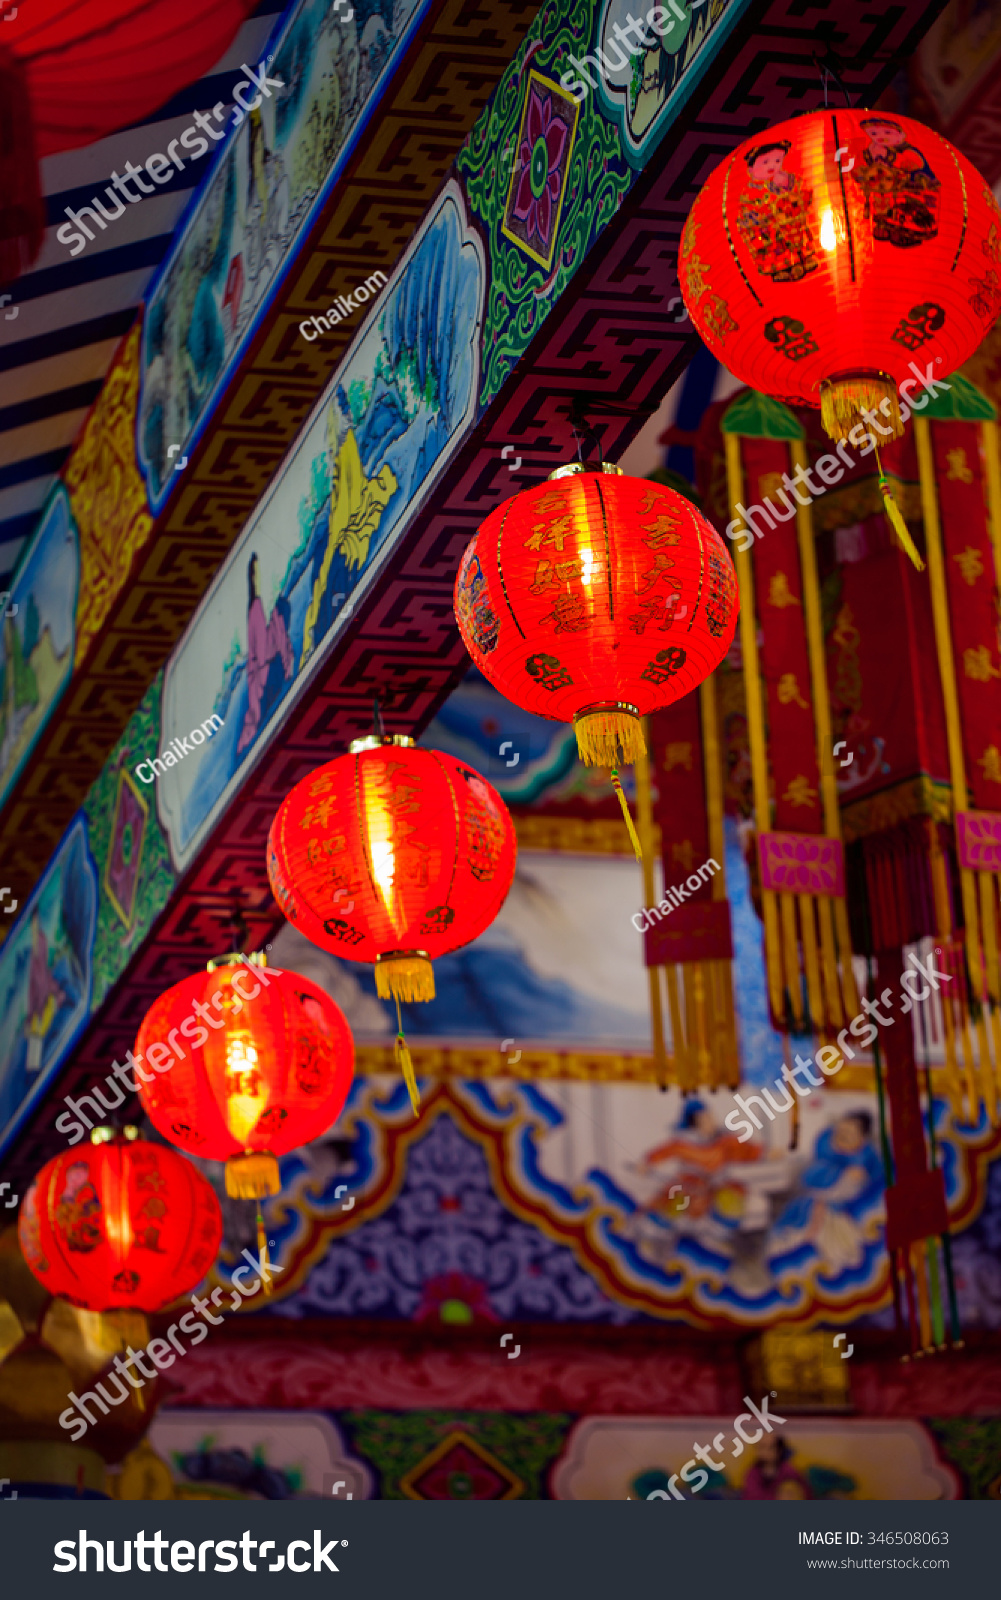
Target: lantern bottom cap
x,y
845,397
252,1175
609,734
404,975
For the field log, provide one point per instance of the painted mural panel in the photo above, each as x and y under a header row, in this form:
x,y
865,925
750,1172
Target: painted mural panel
x,y
552,157
597,1202
561,967
128,846
389,420
45,977
270,181
633,1458
37,623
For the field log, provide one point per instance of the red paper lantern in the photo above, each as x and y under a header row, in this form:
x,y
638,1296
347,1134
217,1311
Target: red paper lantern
x,y
249,1062
120,1226
596,598
394,855
71,73
828,258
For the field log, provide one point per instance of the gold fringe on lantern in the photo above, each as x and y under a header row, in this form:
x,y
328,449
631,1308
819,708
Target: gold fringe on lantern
x,y
609,735
630,829
252,1175
404,975
845,398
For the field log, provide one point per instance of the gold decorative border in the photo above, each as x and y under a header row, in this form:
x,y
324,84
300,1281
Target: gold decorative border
x,y
577,835
527,1066
918,797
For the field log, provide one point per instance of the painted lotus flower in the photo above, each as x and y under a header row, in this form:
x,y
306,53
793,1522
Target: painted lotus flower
x,y
541,153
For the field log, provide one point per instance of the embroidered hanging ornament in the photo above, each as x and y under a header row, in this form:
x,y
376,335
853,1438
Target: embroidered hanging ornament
x,y
266,1069
849,260
121,1227
597,598
394,855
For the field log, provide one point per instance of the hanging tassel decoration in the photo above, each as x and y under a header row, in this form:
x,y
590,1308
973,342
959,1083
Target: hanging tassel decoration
x,y
630,828
406,1065
262,1251
897,523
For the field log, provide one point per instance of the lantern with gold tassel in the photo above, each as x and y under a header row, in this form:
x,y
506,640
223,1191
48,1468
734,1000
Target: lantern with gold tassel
x,y
597,598
267,1068
394,855
121,1227
842,260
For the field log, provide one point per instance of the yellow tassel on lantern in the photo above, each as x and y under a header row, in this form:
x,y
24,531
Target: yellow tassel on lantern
x,y
898,524
845,400
262,1252
406,1066
609,735
630,829
404,975
252,1175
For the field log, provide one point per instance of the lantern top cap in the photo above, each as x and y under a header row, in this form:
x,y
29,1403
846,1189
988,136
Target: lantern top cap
x,y
257,958
375,741
572,468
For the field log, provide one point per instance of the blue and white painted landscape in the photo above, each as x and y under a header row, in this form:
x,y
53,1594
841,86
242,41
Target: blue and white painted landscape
x,y
386,425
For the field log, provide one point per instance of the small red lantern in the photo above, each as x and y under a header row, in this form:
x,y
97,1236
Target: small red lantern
x,y
394,855
270,1071
836,258
121,1226
596,598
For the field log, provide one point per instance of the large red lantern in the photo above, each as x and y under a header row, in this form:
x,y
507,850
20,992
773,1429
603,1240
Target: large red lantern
x,y
121,1226
248,1062
838,259
596,598
394,855
71,73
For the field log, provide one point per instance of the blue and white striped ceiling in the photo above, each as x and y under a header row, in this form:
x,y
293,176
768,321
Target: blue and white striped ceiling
x,y
72,312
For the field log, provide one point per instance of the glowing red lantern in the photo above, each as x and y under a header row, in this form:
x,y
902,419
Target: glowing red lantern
x,y
120,1226
837,258
249,1062
394,855
596,598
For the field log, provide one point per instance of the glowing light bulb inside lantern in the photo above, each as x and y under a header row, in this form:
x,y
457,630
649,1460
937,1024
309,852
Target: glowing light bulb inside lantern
x,y
379,824
118,1214
828,237
246,1090
586,566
